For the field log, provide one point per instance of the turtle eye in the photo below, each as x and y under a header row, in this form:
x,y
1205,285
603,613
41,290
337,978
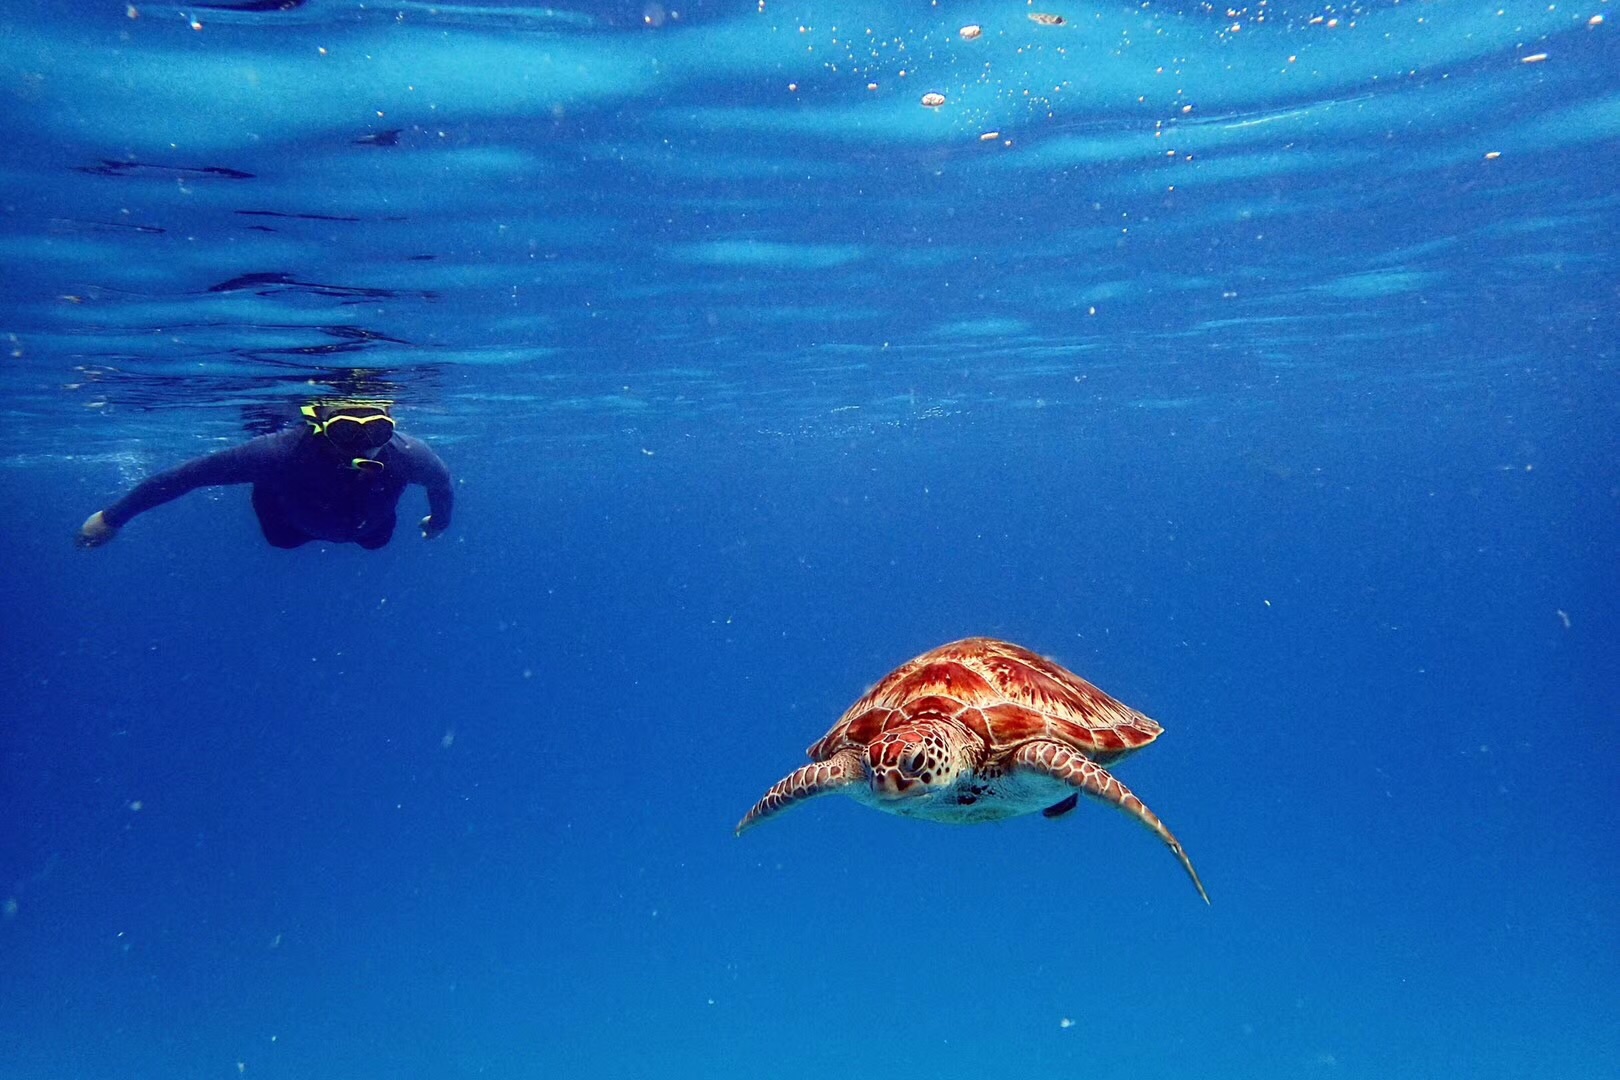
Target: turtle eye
x,y
913,763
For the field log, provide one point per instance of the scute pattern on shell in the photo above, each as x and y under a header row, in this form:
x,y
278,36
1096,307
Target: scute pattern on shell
x,y
1004,694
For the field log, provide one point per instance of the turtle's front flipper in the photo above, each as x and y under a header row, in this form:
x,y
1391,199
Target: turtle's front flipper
x,y
1062,763
817,778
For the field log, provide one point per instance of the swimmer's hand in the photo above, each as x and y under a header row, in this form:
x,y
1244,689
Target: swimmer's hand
x,y
95,531
431,528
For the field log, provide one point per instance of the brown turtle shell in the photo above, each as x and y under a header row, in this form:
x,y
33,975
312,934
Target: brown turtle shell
x,y
1001,692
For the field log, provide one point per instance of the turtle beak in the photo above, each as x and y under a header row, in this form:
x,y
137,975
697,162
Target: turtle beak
x,y
892,785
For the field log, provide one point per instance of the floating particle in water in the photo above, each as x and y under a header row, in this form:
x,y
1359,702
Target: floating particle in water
x,y
971,31
1533,58
1041,18
990,136
1492,155
933,100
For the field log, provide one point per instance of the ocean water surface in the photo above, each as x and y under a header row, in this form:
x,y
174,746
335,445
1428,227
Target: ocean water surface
x,y
1258,364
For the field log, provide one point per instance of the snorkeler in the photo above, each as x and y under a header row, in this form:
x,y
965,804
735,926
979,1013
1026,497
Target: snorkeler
x,y
338,478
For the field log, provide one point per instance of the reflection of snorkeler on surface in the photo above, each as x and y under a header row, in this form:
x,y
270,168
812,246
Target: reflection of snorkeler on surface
x,y
338,479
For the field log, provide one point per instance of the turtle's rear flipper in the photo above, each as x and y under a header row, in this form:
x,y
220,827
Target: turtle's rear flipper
x,y
1058,809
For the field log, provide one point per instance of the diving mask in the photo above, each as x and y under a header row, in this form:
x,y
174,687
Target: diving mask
x,y
355,430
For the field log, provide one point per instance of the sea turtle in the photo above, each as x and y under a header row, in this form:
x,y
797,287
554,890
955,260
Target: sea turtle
x,y
977,730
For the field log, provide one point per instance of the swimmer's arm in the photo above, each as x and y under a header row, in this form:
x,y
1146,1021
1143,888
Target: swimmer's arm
x,y
237,465
428,470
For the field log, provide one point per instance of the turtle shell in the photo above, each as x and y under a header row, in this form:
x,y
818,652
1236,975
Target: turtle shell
x,y
1004,694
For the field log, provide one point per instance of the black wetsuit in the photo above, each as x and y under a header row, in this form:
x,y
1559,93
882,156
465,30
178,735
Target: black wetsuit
x,y
304,490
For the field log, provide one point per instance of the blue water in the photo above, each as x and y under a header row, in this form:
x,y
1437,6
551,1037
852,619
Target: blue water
x,y
1262,369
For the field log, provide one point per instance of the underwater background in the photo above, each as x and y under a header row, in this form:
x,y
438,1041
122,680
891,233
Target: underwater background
x,y
1258,364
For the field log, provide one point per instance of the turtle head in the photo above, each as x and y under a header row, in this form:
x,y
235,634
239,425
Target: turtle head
x,y
915,761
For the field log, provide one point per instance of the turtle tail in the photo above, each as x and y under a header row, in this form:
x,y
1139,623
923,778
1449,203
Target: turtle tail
x,y
817,778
